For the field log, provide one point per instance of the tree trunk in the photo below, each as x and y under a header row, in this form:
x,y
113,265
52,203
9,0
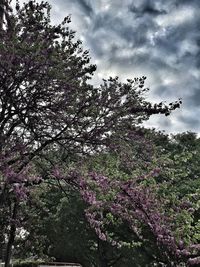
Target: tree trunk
x,y
5,8
1,14
11,237
103,261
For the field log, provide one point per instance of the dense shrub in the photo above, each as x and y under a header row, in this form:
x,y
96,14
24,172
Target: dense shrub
x,y
27,263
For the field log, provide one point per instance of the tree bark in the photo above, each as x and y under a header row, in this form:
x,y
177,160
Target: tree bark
x,y
12,234
4,14
2,6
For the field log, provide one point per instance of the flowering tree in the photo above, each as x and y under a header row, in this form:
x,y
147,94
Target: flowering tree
x,y
138,203
147,191
133,203
47,102
154,210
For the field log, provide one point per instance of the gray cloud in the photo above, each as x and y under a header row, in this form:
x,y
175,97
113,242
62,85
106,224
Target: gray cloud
x,y
194,99
145,8
85,6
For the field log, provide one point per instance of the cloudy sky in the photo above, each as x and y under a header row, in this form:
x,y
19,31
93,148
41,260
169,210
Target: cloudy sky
x,y
156,38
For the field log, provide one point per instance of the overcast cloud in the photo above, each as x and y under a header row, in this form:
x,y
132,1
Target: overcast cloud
x,y
156,38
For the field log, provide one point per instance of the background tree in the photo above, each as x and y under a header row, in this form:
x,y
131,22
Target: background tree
x,y
130,164
160,206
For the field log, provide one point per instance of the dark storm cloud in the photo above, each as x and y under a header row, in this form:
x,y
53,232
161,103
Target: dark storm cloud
x,y
198,52
85,6
156,38
189,120
194,99
147,7
179,3
115,33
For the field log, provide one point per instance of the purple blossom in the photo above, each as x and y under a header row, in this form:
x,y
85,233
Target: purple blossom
x,y
89,197
20,191
194,261
57,173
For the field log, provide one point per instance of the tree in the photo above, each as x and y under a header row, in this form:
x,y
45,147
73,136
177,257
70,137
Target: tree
x,y
160,207
57,232
153,175
56,219
47,102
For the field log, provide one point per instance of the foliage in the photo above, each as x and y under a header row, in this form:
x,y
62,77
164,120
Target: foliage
x,y
154,223
27,263
46,102
154,208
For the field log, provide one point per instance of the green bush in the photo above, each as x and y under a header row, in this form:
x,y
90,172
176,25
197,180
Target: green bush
x,y
27,263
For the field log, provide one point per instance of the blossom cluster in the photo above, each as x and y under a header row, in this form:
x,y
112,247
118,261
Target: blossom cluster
x,y
138,205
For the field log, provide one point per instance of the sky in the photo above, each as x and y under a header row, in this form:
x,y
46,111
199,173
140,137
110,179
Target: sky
x,y
159,39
